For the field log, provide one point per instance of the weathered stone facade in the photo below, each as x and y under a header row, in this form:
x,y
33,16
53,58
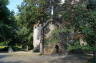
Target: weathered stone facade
x,y
37,36
37,31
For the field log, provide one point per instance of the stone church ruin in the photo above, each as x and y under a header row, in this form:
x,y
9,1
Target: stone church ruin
x,y
49,27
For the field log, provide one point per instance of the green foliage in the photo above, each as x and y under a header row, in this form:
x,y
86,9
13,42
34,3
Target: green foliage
x,y
30,12
76,46
82,21
58,35
7,23
4,2
4,43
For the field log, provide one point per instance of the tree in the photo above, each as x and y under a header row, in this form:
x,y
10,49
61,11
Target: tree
x,y
76,20
7,22
30,12
83,21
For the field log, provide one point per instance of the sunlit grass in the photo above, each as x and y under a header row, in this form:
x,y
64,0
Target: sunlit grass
x,y
1,47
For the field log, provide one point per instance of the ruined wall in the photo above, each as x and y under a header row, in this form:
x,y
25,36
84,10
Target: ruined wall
x,y
51,28
37,35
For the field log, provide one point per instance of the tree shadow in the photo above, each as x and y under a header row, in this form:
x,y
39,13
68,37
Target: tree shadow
x,y
3,56
71,59
11,62
3,60
92,60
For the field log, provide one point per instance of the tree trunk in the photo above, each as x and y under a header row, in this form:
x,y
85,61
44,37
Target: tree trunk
x,y
42,42
41,48
27,48
10,50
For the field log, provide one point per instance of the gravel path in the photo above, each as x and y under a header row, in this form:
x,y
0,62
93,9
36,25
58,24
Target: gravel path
x,y
28,58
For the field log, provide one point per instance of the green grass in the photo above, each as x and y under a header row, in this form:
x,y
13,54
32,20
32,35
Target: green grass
x,y
1,47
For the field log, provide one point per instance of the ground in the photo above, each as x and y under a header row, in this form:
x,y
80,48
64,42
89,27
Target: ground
x,y
28,57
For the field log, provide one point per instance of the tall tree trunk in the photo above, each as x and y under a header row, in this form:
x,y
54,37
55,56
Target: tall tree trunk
x,y
41,48
42,41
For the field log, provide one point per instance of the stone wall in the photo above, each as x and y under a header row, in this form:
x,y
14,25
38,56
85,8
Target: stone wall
x,y
37,35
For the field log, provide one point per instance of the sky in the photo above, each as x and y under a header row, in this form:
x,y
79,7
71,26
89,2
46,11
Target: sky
x,y
13,5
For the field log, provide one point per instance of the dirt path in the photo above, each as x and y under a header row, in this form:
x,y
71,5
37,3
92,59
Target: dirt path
x,y
28,58
7,58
